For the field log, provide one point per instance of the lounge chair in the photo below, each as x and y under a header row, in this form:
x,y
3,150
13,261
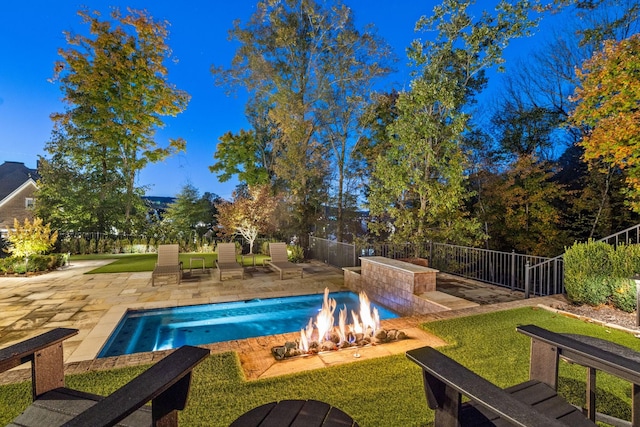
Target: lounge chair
x,y
168,264
227,261
279,260
165,384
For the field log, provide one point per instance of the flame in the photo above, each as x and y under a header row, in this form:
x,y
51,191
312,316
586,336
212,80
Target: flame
x,y
369,319
324,323
342,325
324,320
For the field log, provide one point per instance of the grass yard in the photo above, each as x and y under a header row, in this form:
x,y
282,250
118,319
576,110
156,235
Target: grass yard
x,y
130,263
383,392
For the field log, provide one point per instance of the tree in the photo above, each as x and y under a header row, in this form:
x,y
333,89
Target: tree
x,y
307,70
190,213
419,181
115,86
608,100
30,238
248,215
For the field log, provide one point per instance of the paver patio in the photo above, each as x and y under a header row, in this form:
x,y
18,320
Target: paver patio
x,y
95,303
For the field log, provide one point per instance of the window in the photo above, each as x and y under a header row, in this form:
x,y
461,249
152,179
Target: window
x,y
29,202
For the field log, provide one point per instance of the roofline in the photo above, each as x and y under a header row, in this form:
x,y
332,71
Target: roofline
x,y
24,185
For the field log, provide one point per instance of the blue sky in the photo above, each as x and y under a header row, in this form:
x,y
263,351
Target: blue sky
x,y
31,33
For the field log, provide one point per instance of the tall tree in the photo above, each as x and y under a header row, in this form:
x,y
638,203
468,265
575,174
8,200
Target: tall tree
x,y
608,106
420,179
296,59
114,83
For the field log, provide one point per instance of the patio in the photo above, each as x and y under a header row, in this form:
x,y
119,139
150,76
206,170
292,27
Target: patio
x,y
94,303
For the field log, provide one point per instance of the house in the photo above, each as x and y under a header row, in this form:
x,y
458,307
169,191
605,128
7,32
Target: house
x,y
17,189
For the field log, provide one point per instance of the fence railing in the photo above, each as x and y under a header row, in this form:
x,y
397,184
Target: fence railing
x,y
332,252
532,275
547,277
505,269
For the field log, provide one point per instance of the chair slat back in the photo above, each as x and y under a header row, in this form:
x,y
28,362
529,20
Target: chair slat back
x,y
227,253
278,252
168,255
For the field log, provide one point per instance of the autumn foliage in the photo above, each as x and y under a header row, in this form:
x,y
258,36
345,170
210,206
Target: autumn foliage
x,y
608,108
248,214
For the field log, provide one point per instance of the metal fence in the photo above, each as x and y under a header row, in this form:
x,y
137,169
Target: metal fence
x,y
532,275
332,252
547,277
505,269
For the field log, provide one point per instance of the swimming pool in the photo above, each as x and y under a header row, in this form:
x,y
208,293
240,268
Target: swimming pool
x,y
161,329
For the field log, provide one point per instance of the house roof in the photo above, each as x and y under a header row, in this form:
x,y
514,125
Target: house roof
x,y
13,175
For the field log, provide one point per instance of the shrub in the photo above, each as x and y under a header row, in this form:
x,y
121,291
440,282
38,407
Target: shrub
x,y
586,265
623,294
295,253
598,273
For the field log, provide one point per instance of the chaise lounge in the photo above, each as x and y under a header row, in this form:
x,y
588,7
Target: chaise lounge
x,y
165,385
168,264
279,260
227,261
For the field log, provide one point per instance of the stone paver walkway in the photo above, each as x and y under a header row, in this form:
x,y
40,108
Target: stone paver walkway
x,y
94,304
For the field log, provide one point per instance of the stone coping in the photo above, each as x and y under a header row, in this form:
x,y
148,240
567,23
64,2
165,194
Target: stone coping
x,y
398,265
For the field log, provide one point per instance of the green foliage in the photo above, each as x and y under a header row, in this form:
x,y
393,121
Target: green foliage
x,y
191,215
114,85
419,180
598,273
30,238
35,263
623,293
295,253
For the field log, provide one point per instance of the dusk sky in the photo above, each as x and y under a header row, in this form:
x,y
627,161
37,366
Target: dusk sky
x,y
31,33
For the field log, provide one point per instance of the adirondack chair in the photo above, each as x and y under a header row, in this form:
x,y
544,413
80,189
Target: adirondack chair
x,y
168,264
227,261
536,401
279,260
165,385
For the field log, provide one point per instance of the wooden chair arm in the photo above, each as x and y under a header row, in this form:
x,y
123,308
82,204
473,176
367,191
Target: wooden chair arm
x,y
24,351
165,384
446,381
596,353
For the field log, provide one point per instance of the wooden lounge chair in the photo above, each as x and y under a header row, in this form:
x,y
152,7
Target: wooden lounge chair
x,y
168,264
534,402
227,261
165,385
279,260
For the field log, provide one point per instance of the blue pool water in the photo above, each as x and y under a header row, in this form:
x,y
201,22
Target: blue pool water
x,y
160,329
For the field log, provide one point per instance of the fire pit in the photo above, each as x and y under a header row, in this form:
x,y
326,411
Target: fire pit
x,y
322,335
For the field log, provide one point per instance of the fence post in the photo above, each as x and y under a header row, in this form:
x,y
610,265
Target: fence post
x,y
526,280
513,269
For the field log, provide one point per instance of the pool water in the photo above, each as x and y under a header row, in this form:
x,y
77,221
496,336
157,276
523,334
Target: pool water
x,y
160,329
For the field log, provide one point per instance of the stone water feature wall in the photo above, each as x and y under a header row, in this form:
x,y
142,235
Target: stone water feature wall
x,y
395,284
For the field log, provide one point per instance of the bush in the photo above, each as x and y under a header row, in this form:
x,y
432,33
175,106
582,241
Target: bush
x,y
598,273
37,263
586,265
623,294
295,253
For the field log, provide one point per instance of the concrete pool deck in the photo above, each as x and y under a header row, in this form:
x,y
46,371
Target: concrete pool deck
x,y
95,303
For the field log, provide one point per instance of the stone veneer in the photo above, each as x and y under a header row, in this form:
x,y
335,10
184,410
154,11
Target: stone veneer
x,y
395,284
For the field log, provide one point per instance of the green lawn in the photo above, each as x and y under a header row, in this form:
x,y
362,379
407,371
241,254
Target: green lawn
x,y
129,263
381,392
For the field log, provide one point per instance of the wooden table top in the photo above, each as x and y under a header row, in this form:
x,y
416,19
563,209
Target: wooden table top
x,y
302,413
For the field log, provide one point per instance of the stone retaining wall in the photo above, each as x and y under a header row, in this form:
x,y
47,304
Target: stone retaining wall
x,y
394,284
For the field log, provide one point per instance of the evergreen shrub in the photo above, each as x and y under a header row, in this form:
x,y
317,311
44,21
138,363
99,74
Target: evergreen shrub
x,y
597,273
